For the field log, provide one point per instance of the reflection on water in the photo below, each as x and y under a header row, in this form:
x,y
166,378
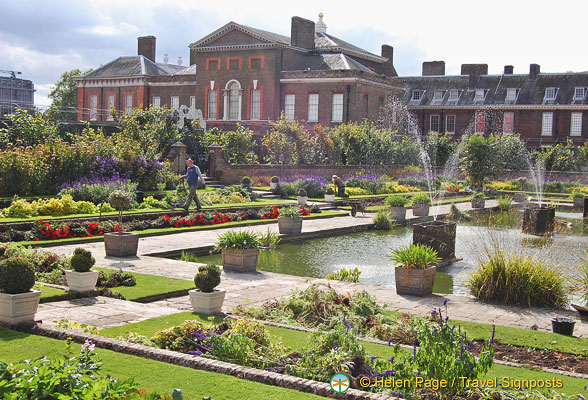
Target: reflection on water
x,y
369,252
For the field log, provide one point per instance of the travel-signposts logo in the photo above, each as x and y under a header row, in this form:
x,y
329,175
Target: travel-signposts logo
x,y
340,383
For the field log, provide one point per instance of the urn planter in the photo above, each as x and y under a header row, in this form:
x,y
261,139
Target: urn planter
x,y
19,308
81,281
207,303
578,202
520,197
274,185
240,260
478,203
329,197
398,213
420,210
539,220
290,225
440,236
414,281
114,248
302,200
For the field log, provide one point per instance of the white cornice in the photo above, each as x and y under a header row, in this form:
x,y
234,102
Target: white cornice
x,y
339,80
224,30
237,47
502,107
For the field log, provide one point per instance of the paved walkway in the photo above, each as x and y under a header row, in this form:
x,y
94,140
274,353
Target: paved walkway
x,y
260,287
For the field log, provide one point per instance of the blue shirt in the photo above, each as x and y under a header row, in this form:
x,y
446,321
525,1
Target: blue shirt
x,y
192,175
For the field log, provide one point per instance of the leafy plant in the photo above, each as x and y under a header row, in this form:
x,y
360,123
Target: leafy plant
x,y
82,260
188,257
207,278
246,181
275,179
382,220
478,195
504,203
415,256
302,193
291,212
421,198
237,240
17,275
330,191
269,239
116,279
396,201
120,200
345,275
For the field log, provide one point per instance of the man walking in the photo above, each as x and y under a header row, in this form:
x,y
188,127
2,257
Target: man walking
x,y
192,175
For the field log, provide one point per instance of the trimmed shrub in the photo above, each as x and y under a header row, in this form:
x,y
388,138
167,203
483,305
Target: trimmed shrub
x,y
396,201
207,278
302,193
120,200
275,179
82,260
246,181
116,279
17,275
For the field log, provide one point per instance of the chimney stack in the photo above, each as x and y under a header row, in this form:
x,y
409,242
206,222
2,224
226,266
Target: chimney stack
x,y
146,47
508,70
534,70
474,71
433,68
388,52
302,33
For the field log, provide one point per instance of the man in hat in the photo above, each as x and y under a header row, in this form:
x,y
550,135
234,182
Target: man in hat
x,y
192,175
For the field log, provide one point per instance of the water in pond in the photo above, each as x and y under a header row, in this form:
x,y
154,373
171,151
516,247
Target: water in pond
x,y
369,252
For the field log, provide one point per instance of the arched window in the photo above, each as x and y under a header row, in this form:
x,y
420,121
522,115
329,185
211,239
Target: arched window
x,y
233,100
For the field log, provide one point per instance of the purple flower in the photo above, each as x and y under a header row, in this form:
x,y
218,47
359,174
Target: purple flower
x,y
445,302
471,366
392,360
414,352
195,352
336,346
434,313
390,342
349,326
373,358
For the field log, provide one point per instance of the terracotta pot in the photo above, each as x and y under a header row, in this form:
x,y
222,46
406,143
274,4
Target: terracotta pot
x,y
420,210
398,213
478,203
112,244
418,282
81,281
207,303
19,308
240,260
302,200
289,225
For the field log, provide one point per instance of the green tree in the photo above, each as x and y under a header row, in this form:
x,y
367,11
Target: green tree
x,y
237,145
478,159
27,129
64,96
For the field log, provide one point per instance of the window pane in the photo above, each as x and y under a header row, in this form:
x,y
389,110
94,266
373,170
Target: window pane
x,y
93,108
450,124
175,102
313,104
192,101
156,101
233,64
547,125
416,94
256,63
110,106
576,124
212,98
212,64
453,94
255,104
435,123
508,122
289,104
234,93
128,103
438,95
337,115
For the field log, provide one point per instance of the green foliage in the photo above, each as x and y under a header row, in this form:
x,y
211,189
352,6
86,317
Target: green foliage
x,y
207,278
330,191
64,96
20,208
246,181
421,198
382,219
504,203
456,215
237,240
188,257
518,280
27,129
17,275
439,148
275,179
415,256
120,200
291,212
478,195
237,145
67,324
302,193
82,260
345,275
396,201
477,159
49,267
98,193
269,238
116,279
560,157
580,282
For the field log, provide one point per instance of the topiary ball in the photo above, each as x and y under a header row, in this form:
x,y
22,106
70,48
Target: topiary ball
x,y
82,260
207,278
120,200
17,275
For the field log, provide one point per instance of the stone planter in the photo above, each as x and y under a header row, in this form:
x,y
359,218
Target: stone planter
x,y
20,307
579,202
289,225
302,200
398,213
539,220
240,260
439,235
207,303
418,282
81,281
112,244
329,197
420,210
478,203
274,185
520,197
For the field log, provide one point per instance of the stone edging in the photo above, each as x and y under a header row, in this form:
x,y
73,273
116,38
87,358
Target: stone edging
x,y
202,363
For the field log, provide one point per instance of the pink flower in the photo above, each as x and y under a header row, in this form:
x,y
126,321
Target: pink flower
x,y
88,346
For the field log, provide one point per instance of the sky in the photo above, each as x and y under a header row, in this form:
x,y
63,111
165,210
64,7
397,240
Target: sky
x,y
42,39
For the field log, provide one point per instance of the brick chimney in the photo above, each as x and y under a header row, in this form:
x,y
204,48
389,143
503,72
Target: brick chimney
x,y
388,67
508,70
146,47
302,33
433,68
474,71
534,70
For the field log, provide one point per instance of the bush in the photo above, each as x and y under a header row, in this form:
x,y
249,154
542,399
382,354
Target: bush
x,y
329,191
372,184
518,280
302,193
82,260
237,145
269,239
382,220
246,181
477,160
116,279
580,282
396,201
97,190
275,179
120,200
415,256
207,278
421,198
352,191
237,240
17,275
478,195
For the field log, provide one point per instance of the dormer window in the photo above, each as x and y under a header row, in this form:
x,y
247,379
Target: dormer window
x,y
417,94
579,93
480,94
511,94
550,93
438,95
453,95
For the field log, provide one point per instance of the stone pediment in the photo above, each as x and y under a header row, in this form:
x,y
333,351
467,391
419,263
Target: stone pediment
x,y
233,34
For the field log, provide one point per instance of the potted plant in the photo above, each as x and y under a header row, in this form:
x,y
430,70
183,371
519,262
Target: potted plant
x,y
246,182
563,325
578,200
290,220
120,244
302,197
81,279
330,194
274,182
396,205
239,250
205,299
420,205
415,273
269,240
18,302
520,197
478,200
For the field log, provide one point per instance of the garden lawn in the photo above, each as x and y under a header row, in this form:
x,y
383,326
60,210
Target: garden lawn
x,y
152,375
49,293
151,285
297,340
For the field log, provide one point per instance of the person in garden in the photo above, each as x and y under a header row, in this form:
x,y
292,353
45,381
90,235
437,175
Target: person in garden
x,y
340,186
192,175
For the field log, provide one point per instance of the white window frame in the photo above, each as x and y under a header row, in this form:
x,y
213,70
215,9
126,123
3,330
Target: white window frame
x,y
482,97
290,106
416,95
174,102
453,95
212,111
447,130
576,124
93,107
511,94
438,95
576,89
547,124
255,106
438,123
128,103
337,108
156,101
547,91
109,107
504,122
193,102
313,107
